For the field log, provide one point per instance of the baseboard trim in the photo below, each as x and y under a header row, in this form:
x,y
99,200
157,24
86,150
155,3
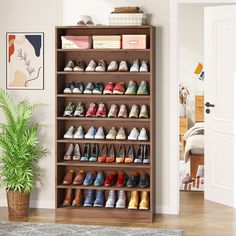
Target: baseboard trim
x,y
33,204
51,205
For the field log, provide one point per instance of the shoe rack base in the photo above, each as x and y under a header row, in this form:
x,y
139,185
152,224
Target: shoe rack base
x,y
93,214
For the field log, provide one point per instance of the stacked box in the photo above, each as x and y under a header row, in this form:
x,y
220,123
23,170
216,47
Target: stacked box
x,y
107,41
76,42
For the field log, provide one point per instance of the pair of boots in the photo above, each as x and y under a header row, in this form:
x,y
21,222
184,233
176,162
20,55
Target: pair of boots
x,y
78,199
134,200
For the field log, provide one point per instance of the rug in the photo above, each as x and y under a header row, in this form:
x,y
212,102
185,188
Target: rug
x,y
39,229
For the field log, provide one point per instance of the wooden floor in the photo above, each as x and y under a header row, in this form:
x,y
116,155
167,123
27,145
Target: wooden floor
x,y
197,217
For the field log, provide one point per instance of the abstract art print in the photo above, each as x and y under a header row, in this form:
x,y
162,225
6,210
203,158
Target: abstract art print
x,y
25,61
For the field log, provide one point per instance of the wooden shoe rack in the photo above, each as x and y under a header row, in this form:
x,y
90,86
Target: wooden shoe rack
x,y
63,123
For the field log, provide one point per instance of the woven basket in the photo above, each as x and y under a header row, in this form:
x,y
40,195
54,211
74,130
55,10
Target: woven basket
x,y
18,205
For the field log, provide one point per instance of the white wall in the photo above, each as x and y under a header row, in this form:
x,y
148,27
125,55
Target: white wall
x,y
35,16
26,15
191,50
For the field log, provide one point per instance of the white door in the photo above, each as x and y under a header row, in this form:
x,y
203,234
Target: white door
x,y
220,91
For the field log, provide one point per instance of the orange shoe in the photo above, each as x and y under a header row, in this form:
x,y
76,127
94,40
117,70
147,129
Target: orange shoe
x,y
111,154
130,155
120,157
103,154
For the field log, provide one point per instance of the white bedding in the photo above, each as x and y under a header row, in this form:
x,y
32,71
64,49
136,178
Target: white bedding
x,y
194,138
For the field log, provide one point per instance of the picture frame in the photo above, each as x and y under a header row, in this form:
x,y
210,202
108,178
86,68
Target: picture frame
x,y
25,60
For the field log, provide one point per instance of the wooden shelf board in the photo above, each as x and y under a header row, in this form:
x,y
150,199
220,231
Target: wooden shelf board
x,y
61,186
104,165
104,119
102,141
103,73
136,211
102,96
102,50
104,27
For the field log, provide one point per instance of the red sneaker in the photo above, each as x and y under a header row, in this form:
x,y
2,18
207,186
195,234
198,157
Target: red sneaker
x,y
102,111
111,179
119,88
109,88
92,110
121,181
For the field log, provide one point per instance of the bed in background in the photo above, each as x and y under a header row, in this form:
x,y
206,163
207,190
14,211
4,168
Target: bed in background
x,y
193,164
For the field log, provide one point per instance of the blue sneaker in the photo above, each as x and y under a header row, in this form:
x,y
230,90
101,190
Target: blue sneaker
x,y
69,87
90,177
86,153
99,181
89,198
99,202
94,153
79,88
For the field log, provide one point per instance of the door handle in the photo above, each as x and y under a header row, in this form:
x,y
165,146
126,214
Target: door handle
x,y
209,104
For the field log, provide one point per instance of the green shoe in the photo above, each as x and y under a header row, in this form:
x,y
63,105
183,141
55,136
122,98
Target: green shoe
x,y
143,89
69,109
79,111
132,88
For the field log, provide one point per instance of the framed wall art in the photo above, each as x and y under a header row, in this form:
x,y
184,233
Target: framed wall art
x,y
25,61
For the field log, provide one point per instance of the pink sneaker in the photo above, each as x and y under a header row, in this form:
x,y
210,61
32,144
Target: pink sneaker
x,y
102,111
119,88
92,110
123,111
109,88
113,111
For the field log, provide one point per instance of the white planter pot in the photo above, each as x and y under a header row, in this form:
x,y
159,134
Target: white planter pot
x,y
182,110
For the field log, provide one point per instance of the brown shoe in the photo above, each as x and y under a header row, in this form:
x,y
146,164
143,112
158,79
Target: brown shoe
x,y
80,175
68,198
78,201
68,177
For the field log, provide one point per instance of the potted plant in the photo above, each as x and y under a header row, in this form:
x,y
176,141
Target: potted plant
x,y
20,152
183,95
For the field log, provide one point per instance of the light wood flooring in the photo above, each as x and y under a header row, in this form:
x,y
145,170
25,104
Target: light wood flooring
x,y
197,217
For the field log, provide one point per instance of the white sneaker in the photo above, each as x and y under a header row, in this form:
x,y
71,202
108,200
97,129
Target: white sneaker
x,y
79,134
69,152
144,66
111,199
100,133
121,199
143,135
70,132
134,134
135,66
113,66
121,134
77,153
112,133
91,66
90,133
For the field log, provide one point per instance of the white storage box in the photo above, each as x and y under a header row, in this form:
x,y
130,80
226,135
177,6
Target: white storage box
x,y
127,19
107,41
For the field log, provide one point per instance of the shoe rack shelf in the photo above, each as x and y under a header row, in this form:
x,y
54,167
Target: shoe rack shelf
x,y
62,123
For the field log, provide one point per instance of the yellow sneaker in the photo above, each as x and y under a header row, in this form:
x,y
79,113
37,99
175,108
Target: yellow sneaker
x,y
144,204
133,203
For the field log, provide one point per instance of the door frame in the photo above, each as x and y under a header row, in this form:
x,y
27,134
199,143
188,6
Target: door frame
x,y
174,95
